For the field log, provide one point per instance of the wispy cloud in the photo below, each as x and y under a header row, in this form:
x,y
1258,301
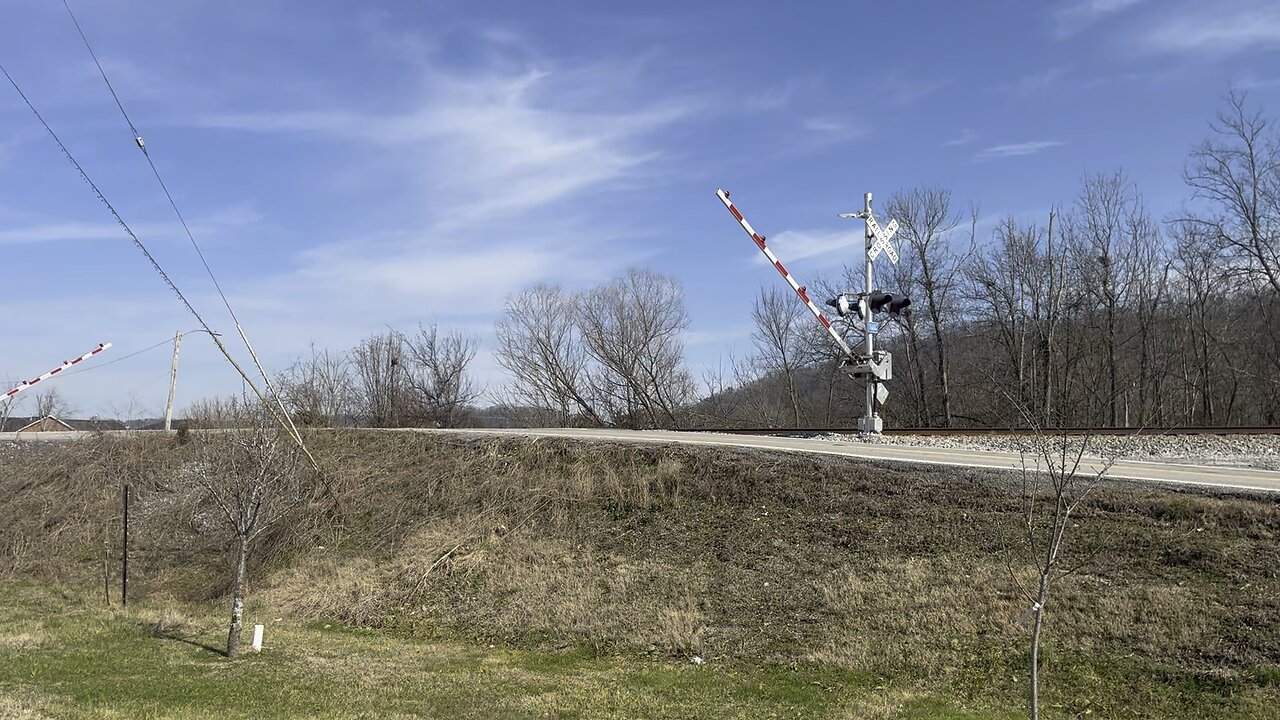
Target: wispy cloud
x,y
830,125
507,144
718,336
1073,17
904,92
1219,28
793,246
1034,84
901,89
1017,149
966,136
778,96
1254,82
74,231
62,231
512,163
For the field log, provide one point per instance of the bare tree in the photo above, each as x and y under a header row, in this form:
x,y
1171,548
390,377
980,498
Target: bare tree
x,y
437,373
777,339
6,407
928,221
540,346
757,393
1236,172
1110,232
217,412
50,403
720,406
319,388
1056,478
632,328
254,480
382,382
905,274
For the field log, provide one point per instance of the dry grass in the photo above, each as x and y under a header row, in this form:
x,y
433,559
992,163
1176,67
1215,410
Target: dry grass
x,y
890,570
681,629
30,638
913,613
21,707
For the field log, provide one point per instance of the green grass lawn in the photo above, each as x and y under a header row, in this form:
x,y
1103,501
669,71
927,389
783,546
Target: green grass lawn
x,y
59,658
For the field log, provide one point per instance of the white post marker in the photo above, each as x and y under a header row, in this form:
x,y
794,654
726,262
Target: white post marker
x,y
257,638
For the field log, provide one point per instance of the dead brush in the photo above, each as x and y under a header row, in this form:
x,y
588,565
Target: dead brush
x,y
352,591
907,613
680,630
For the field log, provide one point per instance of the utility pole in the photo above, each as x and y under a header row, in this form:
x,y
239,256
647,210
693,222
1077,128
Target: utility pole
x,y
173,375
870,422
173,381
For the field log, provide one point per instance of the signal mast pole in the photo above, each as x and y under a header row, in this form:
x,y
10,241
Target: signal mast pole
x,y
870,422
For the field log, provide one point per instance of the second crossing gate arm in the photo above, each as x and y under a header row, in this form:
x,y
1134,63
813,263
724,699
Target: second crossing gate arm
x,y
782,270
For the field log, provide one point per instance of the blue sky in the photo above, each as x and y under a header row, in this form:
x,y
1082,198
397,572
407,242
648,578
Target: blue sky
x,y
352,165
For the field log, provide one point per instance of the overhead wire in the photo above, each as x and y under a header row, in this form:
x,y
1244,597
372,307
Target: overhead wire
x,y
84,175
99,366
141,143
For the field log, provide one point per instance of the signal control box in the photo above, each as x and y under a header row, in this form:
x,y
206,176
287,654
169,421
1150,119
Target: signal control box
x,y
878,367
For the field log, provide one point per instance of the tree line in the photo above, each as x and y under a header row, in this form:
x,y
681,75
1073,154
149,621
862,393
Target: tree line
x,y
1098,314
1095,314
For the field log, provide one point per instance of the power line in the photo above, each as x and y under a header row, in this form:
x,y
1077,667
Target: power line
x,y
142,145
137,138
285,422
103,199
104,73
89,368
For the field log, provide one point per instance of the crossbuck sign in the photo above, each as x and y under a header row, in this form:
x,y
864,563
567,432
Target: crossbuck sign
x,y
883,236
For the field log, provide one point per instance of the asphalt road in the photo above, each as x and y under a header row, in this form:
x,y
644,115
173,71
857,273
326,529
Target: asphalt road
x,y
1221,477
1232,478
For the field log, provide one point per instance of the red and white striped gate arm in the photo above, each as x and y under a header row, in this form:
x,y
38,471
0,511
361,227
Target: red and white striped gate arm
x,y
65,364
800,290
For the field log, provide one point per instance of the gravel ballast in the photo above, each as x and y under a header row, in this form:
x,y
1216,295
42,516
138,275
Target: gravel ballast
x,y
1255,451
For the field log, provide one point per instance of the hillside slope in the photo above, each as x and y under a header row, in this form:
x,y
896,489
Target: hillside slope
x,y
895,572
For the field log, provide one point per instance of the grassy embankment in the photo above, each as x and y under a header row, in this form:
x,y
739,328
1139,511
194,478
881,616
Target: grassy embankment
x,y
812,586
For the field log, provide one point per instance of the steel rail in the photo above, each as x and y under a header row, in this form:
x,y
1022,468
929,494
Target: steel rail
x,y
1145,431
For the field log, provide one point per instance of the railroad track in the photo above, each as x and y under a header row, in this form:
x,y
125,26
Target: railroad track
x,y
1148,431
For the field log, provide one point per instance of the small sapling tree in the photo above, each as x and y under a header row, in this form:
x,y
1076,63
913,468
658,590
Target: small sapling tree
x,y
254,480
1056,478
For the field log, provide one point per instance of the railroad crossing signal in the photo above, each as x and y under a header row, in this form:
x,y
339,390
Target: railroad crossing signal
x,y
857,309
883,237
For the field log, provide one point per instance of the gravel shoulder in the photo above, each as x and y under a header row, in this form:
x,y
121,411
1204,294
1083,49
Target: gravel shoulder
x,y
1251,451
